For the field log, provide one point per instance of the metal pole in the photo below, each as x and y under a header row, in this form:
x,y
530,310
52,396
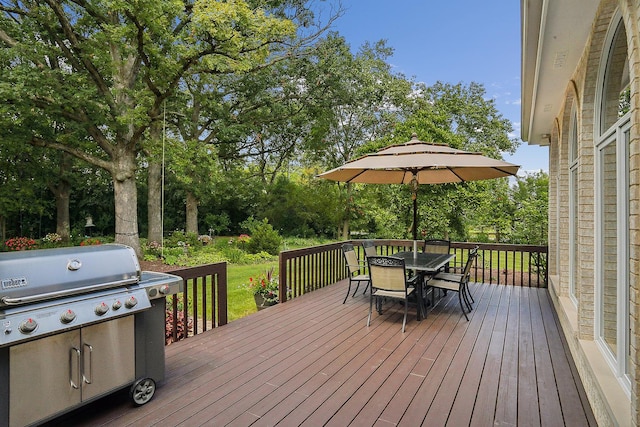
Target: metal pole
x,y
414,196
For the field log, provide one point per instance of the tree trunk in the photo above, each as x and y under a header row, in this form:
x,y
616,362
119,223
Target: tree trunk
x,y
126,207
192,213
62,212
345,229
346,223
62,192
3,229
154,202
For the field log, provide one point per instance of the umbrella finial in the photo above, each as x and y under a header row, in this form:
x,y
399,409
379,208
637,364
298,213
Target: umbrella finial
x,y
414,136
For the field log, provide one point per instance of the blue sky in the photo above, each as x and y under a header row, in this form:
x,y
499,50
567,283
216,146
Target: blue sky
x,y
454,42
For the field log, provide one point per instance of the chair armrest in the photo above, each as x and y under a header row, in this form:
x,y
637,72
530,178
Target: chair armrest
x,y
413,279
448,277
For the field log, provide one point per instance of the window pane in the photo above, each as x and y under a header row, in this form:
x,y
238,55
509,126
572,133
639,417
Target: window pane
x,y
628,365
573,139
615,93
609,246
573,182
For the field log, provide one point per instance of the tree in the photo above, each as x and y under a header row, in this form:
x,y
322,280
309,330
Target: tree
x,y
366,100
107,67
530,197
461,117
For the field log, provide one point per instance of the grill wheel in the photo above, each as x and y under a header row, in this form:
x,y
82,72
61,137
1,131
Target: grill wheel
x,y
142,391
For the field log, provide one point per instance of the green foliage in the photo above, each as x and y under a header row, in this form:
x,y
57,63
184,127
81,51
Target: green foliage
x,y
530,197
51,240
263,237
265,284
182,239
173,256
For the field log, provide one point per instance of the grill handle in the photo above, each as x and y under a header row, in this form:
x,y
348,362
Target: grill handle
x,y
66,292
84,376
74,352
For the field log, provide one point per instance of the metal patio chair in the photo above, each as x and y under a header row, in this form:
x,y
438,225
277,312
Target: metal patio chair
x,y
389,280
457,282
355,268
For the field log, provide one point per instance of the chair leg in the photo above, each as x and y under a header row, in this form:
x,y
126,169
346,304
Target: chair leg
x,y
370,308
356,290
460,296
465,295
466,285
348,292
366,287
404,320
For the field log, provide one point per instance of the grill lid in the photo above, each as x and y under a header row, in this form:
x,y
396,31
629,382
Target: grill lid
x,y
30,276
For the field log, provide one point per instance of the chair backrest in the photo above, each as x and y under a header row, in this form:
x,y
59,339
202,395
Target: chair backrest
x,y
351,258
387,273
437,246
369,248
473,253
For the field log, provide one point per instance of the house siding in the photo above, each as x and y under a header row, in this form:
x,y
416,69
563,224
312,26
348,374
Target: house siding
x,y
610,401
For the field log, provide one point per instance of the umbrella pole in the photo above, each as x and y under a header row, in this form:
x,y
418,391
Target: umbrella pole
x,y
414,196
415,217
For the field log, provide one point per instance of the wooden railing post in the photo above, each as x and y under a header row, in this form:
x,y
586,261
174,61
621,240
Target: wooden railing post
x,y
202,304
304,270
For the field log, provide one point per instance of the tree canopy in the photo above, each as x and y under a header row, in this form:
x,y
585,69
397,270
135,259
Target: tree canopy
x,y
214,112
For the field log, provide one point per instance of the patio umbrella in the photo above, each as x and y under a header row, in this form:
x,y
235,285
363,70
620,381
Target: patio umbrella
x,y
417,162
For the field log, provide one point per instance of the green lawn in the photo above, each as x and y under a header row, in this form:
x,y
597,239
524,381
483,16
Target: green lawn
x,y
241,301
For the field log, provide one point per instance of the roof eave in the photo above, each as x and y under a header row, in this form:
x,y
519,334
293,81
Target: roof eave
x,y
553,37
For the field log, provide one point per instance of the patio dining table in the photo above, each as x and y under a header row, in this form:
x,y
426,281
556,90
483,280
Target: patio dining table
x,y
425,264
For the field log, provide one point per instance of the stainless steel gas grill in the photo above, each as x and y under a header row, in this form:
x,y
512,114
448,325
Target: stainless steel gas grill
x,y
77,324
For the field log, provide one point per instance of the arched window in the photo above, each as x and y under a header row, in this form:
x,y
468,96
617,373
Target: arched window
x,y
612,203
573,204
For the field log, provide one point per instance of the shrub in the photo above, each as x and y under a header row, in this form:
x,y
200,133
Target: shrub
x,y
172,255
181,332
182,239
263,238
51,240
233,255
153,249
90,241
20,244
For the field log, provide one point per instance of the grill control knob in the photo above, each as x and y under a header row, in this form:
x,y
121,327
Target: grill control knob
x,y
28,326
131,302
116,305
101,309
67,317
164,289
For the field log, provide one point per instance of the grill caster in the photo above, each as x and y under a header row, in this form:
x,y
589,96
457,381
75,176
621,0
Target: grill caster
x,y
142,391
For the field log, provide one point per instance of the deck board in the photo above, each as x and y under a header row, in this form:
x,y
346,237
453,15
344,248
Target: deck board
x,y
313,361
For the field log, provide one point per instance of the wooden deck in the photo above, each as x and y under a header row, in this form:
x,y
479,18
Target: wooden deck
x,y
313,361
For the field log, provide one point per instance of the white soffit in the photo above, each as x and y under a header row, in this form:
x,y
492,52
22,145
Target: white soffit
x,y
554,34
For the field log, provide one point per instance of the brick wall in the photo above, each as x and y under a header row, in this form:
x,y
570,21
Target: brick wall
x,y
581,90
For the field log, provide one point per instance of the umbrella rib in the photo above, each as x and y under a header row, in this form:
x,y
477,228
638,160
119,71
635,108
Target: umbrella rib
x,y
504,171
458,176
355,176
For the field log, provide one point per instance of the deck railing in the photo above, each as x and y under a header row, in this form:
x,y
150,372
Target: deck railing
x,y
304,270
201,305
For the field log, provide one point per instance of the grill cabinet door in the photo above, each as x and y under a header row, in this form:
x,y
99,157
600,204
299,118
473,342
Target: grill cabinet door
x,y
42,376
108,356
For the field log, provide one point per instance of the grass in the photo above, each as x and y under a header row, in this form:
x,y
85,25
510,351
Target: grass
x,y
240,298
241,302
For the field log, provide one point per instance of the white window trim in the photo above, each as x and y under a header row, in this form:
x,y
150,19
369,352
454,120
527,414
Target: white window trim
x,y
614,134
573,187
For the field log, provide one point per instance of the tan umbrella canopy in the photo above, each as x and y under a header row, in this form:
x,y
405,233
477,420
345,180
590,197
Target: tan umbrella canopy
x,y
417,162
